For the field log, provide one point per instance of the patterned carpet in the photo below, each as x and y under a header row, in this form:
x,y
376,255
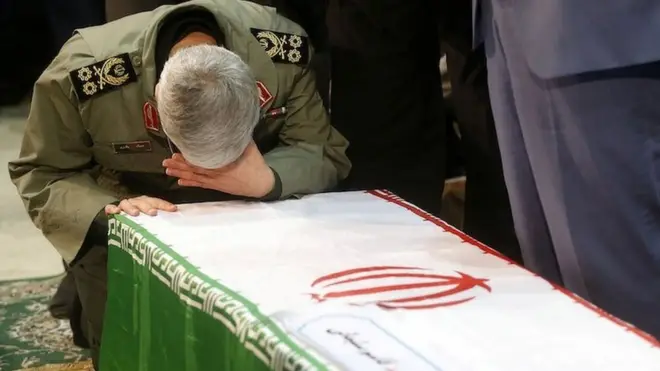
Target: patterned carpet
x,y
30,339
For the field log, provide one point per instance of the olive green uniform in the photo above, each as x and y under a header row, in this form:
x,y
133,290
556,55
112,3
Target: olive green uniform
x,y
92,138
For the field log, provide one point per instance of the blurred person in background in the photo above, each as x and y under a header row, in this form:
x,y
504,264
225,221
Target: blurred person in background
x,y
65,16
387,99
45,25
487,210
387,96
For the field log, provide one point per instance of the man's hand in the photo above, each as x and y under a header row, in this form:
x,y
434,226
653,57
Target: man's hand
x,y
143,204
249,176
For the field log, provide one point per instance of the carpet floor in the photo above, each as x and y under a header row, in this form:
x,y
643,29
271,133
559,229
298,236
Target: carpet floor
x,y
30,338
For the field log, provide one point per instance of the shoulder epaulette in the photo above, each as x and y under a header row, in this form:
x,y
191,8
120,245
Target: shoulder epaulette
x,y
102,77
283,47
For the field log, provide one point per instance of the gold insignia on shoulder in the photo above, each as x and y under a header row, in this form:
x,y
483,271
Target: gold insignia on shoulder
x,y
103,76
283,47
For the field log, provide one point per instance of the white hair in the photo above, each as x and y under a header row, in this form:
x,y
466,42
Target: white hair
x,y
208,104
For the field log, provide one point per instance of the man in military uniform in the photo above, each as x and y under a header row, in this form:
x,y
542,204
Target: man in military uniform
x,y
148,111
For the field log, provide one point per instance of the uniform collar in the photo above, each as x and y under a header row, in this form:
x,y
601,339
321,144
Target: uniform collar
x,y
237,39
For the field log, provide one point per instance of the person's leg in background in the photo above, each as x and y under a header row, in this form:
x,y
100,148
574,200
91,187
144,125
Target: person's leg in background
x,y
453,196
592,142
487,213
387,96
527,210
487,210
606,178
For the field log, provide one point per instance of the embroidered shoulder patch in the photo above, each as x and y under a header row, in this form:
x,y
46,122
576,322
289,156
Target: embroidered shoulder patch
x,y
283,47
103,77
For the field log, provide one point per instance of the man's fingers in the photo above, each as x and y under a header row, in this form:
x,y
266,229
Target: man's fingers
x,y
129,208
174,164
190,183
182,165
178,157
145,205
186,175
179,169
163,205
112,209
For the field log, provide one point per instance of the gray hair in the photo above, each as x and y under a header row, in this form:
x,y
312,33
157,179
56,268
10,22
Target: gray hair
x,y
208,104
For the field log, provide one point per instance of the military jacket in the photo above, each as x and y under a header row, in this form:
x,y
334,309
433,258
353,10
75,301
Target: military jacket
x,y
93,122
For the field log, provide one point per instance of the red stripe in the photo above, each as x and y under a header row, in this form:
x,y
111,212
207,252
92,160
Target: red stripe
x,y
460,287
424,306
379,289
390,197
448,280
358,270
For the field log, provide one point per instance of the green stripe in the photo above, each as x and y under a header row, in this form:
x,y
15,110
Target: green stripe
x,y
251,307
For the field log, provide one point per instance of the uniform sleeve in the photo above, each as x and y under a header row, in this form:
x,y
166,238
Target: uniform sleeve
x,y
311,157
51,173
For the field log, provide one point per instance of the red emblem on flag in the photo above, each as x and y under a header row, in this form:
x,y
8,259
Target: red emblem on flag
x,y
264,95
392,287
150,114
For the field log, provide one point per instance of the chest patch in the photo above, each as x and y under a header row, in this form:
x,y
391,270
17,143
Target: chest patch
x,y
139,146
102,77
264,95
283,47
150,115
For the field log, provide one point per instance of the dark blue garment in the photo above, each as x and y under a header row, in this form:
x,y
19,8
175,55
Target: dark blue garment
x,y
578,122
64,16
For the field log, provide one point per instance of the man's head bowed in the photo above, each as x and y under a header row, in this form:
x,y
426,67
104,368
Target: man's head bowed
x,y
208,104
